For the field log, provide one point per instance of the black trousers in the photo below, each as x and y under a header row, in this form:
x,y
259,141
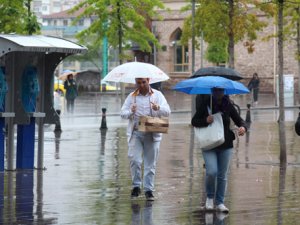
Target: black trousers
x,y
255,94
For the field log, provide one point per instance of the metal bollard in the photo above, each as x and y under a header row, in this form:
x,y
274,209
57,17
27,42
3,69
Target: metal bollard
x,y
103,121
57,125
248,115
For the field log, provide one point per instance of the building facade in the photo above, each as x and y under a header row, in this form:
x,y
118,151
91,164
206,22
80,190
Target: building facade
x,y
47,7
175,60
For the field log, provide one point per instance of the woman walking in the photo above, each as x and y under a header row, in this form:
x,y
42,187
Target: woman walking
x,y
217,160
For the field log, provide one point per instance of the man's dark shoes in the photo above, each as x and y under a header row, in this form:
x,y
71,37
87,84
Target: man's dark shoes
x,y
149,196
136,191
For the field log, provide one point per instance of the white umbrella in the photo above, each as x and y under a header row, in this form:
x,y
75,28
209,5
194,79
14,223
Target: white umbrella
x,y
65,74
127,73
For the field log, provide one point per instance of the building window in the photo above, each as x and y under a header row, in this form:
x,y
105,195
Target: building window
x,y
55,23
56,4
65,22
181,59
181,53
222,64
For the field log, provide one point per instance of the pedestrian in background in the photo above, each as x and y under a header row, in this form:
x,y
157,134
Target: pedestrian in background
x,y
143,146
217,160
253,86
71,92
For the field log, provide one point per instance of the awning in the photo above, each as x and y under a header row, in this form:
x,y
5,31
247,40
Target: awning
x,y
37,43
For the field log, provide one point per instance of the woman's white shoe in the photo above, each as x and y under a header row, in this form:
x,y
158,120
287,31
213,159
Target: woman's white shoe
x,y
222,208
209,205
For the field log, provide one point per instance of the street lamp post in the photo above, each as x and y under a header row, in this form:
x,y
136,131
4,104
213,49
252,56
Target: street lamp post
x,y
193,54
193,36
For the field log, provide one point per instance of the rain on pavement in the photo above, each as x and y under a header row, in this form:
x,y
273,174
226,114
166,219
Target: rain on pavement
x,y
87,179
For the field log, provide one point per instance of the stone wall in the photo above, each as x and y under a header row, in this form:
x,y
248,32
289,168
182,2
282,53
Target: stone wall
x,y
262,61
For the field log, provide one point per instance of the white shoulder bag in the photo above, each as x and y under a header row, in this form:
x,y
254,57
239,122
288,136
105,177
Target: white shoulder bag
x,y
211,136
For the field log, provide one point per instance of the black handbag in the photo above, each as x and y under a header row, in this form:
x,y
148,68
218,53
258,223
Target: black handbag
x,y
297,125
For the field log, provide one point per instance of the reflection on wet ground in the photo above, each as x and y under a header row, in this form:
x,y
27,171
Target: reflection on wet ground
x,y
87,179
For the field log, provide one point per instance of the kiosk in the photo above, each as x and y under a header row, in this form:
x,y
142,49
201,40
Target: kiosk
x,y
26,93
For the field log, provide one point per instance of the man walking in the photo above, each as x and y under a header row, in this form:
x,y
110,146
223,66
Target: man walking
x,y
143,146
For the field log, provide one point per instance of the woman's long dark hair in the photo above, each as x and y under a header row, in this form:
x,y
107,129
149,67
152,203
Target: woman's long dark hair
x,y
226,101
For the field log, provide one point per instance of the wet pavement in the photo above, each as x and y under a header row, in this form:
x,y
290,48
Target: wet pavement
x,y
87,178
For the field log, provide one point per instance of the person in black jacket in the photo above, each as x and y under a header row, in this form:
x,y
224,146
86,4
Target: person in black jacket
x,y
71,92
217,160
254,87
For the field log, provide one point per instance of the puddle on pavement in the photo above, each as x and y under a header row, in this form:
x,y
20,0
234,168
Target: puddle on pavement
x,y
87,181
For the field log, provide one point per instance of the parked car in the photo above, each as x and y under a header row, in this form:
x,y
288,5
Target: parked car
x,y
59,86
108,86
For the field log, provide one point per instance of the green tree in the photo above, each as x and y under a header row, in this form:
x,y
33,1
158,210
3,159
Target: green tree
x,y
11,16
31,24
126,19
226,20
291,29
276,8
16,17
217,52
282,136
93,54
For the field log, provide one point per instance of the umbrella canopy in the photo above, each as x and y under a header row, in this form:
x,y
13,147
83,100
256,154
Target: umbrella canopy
x,y
218,71
65,74
204,85
127,73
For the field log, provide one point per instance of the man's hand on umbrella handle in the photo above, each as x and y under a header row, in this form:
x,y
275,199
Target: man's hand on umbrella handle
x,y
133,108
210,119
155,107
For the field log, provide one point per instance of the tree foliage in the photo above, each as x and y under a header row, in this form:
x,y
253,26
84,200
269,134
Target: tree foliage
x,y
217,52
16,17
11,14
212,18
291,23
93,54
120,18
31,24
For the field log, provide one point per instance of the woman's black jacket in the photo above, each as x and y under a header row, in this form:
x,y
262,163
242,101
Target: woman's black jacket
x,y
228,111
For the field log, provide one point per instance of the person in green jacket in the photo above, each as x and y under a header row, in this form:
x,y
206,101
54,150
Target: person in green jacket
x,y
71,92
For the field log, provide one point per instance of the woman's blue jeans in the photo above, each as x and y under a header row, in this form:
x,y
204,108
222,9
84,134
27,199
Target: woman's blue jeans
x,y
217,166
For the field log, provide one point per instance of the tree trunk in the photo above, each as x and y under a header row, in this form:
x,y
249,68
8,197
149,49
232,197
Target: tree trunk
x,y
28,4
298,52
120,34
231,35
282,138
193,54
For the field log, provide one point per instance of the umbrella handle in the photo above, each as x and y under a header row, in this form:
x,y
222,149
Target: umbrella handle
x,y
210,113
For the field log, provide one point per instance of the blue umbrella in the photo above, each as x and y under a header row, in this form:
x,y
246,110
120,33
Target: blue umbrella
x,y
204,85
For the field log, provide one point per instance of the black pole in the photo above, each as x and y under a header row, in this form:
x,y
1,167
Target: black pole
x,y
57,125
248,115
103,121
